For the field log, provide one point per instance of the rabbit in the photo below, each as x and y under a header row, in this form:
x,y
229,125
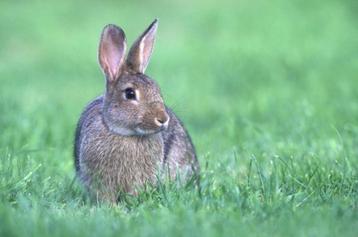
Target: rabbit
x,y
128,138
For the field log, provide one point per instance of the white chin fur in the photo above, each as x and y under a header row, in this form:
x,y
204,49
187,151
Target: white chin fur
x,y
128,132
122,131
144,132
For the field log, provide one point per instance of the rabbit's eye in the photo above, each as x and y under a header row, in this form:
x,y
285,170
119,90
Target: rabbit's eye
x,y
129,94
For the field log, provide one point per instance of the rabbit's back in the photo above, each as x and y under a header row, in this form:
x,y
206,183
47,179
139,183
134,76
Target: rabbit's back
x,y
90,113
179,151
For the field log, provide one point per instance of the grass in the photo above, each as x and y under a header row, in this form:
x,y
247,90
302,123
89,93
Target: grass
x,y
268,91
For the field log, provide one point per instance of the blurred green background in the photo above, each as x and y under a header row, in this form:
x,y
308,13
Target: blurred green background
x,y
267,90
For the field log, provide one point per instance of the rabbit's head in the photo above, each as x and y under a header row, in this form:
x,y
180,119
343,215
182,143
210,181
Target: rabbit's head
x,y
132,104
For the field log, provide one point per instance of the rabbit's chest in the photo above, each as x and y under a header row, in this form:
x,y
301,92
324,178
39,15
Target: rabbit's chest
x,y
124,162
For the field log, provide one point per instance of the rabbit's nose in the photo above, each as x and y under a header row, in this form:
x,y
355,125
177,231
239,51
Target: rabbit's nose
x,y
162,121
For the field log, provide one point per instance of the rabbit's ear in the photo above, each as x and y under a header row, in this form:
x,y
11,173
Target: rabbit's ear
x,y
111,51
139,54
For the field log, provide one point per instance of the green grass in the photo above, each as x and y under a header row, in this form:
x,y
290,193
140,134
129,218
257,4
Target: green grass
x,y
267,89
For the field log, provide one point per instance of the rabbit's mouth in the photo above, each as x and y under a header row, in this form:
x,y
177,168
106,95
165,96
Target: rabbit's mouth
x,y
136,130
148,129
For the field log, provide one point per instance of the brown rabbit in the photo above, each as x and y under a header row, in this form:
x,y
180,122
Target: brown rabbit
x,y
127,137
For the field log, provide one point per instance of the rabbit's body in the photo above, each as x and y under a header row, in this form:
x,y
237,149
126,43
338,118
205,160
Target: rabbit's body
x,y
128,138
107,163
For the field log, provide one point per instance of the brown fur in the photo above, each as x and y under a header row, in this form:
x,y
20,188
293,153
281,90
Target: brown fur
x,y
122,144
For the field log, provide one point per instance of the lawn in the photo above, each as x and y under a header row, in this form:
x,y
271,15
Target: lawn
x,y
267,89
